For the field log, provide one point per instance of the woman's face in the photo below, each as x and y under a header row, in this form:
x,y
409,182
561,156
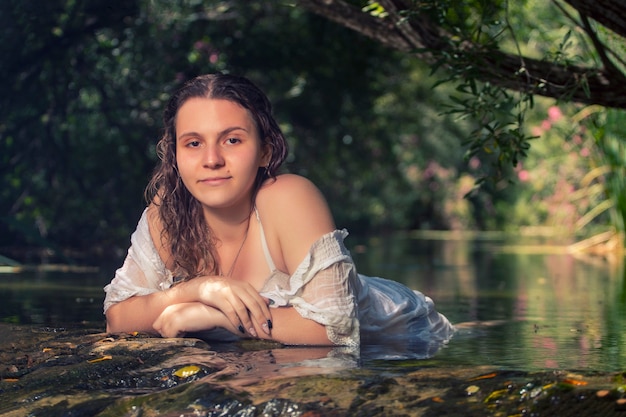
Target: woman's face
x,y
218,152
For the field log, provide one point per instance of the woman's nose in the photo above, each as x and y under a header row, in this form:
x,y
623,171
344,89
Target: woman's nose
x,y
213,157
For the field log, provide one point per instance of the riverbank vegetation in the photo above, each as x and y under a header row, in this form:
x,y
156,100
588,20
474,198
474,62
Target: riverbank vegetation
x,y
398,138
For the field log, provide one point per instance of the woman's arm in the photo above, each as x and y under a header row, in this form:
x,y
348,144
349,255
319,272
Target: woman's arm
x,y
291,328
137,313
180,319
295,215
238,301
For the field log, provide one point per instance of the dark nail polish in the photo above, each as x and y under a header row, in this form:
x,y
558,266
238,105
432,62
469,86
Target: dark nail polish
x,y
241,329
270,325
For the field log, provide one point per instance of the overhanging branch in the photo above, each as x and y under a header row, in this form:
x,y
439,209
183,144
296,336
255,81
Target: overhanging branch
x,y
420,36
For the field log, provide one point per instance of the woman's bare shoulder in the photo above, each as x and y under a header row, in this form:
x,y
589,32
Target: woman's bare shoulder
x,y
295,214
289,191
287,181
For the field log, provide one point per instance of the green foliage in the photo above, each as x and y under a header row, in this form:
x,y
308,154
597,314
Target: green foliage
x,y
573,180
86,92
84,85
479,30
611,142
499,114
62,115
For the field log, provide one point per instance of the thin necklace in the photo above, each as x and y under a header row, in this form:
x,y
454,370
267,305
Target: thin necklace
x,y
245,236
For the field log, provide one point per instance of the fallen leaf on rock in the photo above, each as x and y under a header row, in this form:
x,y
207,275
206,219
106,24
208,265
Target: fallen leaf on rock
x,y
486,376
572,381
104,358
496,394
603,393
187,371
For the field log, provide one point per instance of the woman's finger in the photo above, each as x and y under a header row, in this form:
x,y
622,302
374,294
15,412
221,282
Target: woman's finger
x,y
241,304
258,310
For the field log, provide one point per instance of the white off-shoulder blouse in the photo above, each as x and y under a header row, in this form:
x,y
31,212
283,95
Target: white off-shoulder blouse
x,y
325,288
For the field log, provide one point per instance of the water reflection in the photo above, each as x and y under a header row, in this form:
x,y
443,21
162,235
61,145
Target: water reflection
x,y
518,309
51,298
247,368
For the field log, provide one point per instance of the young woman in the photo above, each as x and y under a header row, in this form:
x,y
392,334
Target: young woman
x,y
227,243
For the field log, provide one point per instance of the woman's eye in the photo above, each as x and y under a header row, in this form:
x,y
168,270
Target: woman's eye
x,y
232,141
193,144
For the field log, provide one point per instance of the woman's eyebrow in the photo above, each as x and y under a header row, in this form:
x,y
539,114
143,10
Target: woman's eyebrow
x,y
221,133
185,134
231,129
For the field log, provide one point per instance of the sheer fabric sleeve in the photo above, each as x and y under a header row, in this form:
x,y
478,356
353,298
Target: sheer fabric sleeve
x,y
323,288
143,271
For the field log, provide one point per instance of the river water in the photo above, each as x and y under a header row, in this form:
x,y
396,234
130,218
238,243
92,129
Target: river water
x,y
525,307
519,303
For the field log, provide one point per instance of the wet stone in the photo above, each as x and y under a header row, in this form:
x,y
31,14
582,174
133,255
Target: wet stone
x,y
84,372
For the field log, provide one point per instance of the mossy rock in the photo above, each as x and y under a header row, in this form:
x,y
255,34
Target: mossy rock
x,y
84,372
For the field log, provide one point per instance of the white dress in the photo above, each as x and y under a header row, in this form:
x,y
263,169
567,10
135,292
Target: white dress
x,y
355,309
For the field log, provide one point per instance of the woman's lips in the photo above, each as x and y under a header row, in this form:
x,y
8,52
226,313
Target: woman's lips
x,y
214,180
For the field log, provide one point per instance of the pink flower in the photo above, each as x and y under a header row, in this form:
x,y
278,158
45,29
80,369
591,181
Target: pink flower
x,y
523,175
474,163
554,113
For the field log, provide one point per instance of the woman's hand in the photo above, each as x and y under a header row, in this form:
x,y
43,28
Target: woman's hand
x,y
178,319
238,301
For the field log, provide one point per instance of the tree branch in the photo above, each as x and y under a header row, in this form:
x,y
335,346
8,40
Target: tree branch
x,y
353,18
609,13
418,35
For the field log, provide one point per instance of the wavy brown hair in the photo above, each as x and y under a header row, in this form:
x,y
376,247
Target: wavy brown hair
x,y
190,240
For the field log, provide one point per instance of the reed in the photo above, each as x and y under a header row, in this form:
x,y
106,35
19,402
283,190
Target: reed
x,y
606,182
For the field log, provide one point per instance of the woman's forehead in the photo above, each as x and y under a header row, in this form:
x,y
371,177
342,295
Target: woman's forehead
x,y
210,114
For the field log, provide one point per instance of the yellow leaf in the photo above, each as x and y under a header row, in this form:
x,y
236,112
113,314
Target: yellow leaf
x,y
496,394
104,358
187,371
472,389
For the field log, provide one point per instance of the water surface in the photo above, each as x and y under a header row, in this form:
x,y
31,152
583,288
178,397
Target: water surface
x,y
521,309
